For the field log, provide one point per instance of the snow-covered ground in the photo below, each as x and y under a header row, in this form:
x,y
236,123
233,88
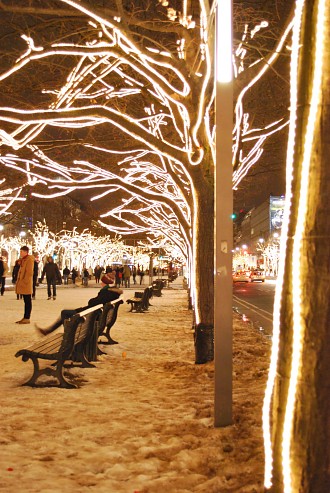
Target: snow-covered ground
x,y
142,420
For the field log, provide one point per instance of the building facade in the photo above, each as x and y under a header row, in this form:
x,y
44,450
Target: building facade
x,y
258,234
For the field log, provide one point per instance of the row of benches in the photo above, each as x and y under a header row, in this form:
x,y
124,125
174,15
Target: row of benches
x,y
141,300
77,344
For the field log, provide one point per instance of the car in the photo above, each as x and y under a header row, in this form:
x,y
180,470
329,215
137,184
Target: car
x,y
248,276
241,276
257,275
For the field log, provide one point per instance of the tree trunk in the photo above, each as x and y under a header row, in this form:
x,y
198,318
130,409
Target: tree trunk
x,y
308,469
204,268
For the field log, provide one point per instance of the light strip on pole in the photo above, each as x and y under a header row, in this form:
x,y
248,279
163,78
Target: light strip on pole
x,y
224,65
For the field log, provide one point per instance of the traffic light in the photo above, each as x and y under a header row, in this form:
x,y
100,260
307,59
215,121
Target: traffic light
x,y
233,216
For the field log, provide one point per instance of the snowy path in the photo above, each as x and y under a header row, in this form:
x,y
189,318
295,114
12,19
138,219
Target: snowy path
x,y
139,422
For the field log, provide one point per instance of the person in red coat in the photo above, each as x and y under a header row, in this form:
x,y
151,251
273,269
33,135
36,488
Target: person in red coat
x,y
24,283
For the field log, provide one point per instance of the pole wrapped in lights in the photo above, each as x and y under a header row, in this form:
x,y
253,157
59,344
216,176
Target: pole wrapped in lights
x,y
301,159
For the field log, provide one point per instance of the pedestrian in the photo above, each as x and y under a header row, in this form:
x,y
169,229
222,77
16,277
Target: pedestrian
x,y
121,275
85,277
24,282
107,293
52,275
126,275
15,274
35,274
134,272
141,274
97,273
66,273
118,278
3,273
74,275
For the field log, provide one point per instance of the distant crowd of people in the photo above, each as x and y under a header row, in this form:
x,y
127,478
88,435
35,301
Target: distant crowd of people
x,y
25,276
27,273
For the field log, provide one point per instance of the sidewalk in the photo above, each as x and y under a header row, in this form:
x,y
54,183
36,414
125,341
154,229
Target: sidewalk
x,y
142,420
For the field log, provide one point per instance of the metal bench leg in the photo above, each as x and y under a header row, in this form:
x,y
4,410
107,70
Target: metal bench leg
x,y
109,338
80,354
36,372
140,308
64,383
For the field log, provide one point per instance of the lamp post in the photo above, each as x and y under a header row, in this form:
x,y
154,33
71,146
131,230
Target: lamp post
x,y
223,217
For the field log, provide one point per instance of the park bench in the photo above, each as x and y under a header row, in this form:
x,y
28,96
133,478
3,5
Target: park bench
x,y
103,325
59,347
140,303
157,286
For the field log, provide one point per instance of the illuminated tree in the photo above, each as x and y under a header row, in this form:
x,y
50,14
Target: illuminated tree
x,y
85,249
240,259
270,251
297,448
44,241
12,246
81,249
139,85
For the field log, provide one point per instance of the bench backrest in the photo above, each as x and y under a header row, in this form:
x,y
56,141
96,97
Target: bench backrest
x,y
158,284
86,326
147,294
77,328
70,327
109,315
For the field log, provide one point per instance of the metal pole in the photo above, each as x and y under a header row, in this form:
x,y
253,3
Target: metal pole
x,y
151,268
223,230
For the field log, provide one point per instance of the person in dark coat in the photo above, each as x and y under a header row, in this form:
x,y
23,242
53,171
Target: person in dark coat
x,y
85,277
66,273
141,274
35,274
117,278
97,273
15,271
108,293
74,275
52,275
134,272
15,274
3,273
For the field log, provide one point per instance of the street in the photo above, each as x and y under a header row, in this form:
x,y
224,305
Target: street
x,y
254,301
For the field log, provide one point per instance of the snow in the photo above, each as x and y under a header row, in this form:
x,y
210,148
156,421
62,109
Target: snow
x,y
142,420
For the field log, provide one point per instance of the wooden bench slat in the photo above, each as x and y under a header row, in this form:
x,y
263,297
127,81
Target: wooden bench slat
x,y
43,344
